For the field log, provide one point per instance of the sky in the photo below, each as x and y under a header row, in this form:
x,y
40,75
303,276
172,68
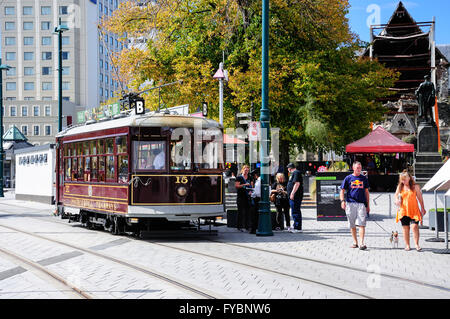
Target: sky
x,y
365,12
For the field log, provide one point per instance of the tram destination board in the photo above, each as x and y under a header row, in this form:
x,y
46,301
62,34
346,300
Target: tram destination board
x,y
328,185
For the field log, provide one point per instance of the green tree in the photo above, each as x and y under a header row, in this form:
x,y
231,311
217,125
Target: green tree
x,y
322,95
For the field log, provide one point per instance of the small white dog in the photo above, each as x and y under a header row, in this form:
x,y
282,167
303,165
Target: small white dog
x,y
394,239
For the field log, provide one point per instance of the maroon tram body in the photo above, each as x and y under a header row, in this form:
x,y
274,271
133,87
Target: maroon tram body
x,y
125,174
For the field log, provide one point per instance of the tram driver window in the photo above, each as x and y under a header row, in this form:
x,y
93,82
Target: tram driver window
x,y
149,155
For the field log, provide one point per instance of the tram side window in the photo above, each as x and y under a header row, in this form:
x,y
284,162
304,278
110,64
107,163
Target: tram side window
x,y
109,146
122,159
110,172
94,169
87,169
80,175
74,171
101,169
149,155
123,168
68,166
93,147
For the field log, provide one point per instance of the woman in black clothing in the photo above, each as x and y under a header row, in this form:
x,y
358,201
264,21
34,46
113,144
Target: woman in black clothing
x,y
281,202
243,186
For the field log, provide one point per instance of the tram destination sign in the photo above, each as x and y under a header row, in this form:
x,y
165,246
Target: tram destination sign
x,y
103,111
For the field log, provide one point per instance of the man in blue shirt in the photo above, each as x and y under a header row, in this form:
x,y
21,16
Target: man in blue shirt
x,y
356,203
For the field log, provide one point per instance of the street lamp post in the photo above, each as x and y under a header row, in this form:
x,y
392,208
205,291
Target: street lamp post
x,y
2,67
264,223
220,75
59,30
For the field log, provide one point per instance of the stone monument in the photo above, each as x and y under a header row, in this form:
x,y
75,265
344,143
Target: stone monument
x,y
428,159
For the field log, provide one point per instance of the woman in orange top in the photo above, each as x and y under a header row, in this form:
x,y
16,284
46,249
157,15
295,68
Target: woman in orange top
x,y
409,213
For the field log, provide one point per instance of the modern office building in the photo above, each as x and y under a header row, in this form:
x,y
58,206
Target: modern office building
x,y
30,47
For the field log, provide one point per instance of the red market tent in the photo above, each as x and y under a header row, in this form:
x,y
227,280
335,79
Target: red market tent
x,y
379,141
227,139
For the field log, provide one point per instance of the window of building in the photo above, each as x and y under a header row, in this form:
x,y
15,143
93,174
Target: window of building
x,y
12,111
9,26
28,70
66,85
9,98
46,86
46,70
27,11
46,10
24,129
28,41
36,110
48,110
10,56
10,86
65,55
65,40
24,110
10,40
36,130
66,70
10,11
28,98
45,25
48,130
11,71
46,55
28,56
66,98
46,41
28,86
28,25
63,10
46,98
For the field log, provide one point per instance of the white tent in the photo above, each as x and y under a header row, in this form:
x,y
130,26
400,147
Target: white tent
x,y
440,180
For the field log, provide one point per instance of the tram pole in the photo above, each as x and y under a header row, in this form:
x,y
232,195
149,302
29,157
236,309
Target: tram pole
x,y
59,30
264,220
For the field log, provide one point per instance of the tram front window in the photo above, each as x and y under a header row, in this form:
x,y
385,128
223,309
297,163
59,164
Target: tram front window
x,y
149,155
209,150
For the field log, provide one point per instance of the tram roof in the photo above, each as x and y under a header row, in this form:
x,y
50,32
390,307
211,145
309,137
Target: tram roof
x,y
146,120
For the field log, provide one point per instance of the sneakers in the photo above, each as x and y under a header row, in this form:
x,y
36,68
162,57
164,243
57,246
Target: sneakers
x,y
294,231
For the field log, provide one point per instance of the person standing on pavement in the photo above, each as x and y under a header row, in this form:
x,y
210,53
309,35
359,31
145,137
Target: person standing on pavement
x,y
256,198
409,213
243,186
295,195
356,203
281,202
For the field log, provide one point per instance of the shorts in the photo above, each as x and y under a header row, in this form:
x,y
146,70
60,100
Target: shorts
x,y
356,214
406,221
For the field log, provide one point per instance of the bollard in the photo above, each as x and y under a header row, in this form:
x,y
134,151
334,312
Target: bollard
x,y
390,206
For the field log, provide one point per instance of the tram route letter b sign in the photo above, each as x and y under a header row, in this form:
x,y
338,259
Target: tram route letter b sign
x,y
139,106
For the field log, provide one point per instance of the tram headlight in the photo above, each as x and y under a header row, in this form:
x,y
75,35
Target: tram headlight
x,y
181,191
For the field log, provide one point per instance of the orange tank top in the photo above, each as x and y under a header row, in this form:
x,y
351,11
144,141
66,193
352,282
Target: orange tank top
x,y
409,206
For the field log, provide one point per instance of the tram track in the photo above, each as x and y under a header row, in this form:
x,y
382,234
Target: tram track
x,y
295,257
198,292
51,276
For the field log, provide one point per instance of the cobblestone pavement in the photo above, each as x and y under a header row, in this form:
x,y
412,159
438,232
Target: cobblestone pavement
x,y
317,263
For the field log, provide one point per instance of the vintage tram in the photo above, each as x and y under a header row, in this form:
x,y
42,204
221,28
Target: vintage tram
x,y
129,174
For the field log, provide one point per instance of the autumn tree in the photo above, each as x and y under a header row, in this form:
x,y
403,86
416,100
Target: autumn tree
x,y
322,95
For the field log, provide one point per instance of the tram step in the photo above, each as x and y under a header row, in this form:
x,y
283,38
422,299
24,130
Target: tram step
x,y
177,233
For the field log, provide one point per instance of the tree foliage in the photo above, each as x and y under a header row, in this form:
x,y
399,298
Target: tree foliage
x,y
322,95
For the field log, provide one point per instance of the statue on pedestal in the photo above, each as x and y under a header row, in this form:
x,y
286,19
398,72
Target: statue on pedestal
x,y
426,96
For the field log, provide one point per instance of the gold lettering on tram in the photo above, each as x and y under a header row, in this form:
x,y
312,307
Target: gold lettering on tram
x,y
181,180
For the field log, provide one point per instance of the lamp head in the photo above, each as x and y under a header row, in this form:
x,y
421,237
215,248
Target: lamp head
x,y
4,67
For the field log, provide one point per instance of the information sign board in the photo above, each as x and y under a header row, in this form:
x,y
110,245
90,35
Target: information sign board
x,y
328,186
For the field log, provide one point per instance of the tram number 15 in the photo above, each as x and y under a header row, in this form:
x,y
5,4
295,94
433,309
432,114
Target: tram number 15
x,y
181,180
